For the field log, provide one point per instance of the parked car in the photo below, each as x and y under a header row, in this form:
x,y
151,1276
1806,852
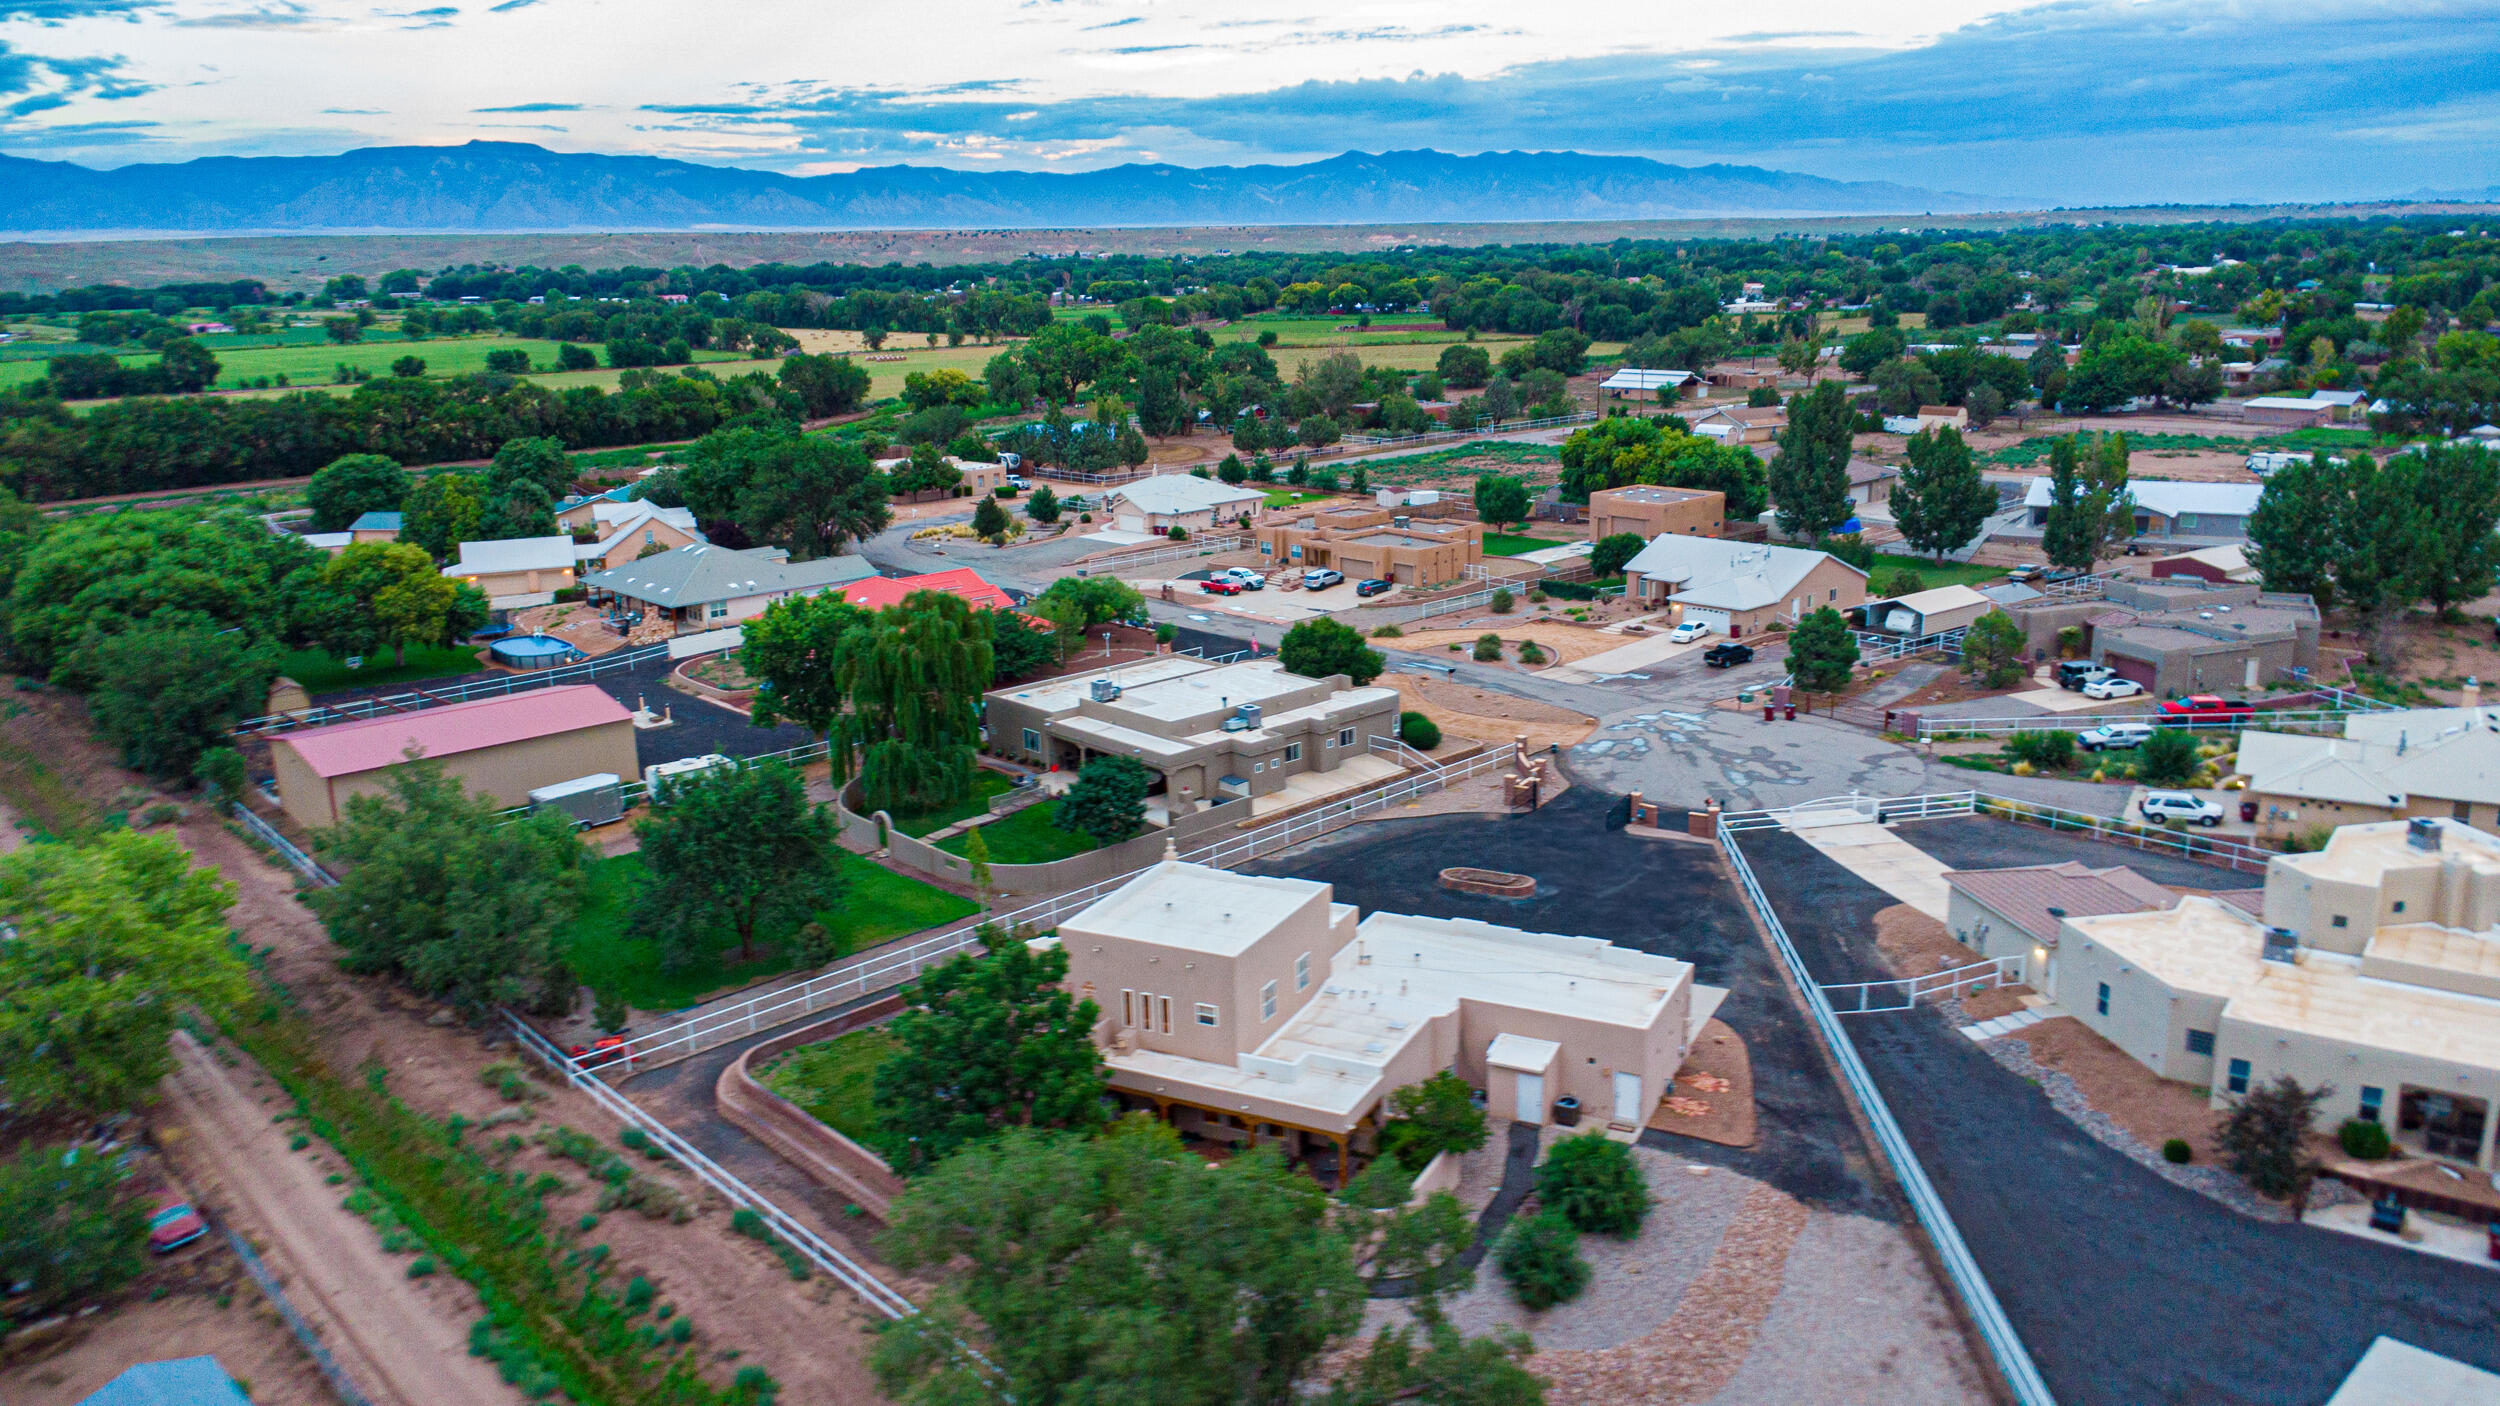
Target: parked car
x,y
2210,708
1019,483
1373,587
1220,586
1244,577
174,1224
2159,806
2075,673
1687,632
2113,735
1320,578
2023,575
1720,656
2112,686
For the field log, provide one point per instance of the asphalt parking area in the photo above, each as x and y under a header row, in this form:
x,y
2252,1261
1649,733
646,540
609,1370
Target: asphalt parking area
x,y
2127,1289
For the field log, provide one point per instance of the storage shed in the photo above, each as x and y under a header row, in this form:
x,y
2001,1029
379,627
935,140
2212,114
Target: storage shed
x,y
502,747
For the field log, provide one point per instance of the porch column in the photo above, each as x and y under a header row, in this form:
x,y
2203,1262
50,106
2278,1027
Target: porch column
x,y
1344,1160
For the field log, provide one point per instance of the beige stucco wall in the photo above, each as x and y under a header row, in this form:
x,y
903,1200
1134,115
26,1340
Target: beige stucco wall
x,y
1104,967
1611,511
1592,1052
507,773
1991,934
2315,1060
629,545
499,584
2147,1018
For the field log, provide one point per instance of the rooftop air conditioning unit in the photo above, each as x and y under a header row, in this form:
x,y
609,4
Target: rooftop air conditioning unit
x,y
2282,945
1105,691
1249,715
2422,832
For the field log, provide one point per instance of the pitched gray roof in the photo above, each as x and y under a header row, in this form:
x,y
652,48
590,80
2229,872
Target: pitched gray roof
x,y
704,574
1725,575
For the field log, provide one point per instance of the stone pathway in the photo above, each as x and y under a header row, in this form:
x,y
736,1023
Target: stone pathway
x,y
1987,1030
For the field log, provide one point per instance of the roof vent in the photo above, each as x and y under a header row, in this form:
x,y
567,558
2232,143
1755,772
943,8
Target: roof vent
x,y
2422,832
2057,912
1105,690
2282,945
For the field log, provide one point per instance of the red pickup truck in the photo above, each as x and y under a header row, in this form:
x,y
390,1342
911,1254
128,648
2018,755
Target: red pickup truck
x,y
2210,708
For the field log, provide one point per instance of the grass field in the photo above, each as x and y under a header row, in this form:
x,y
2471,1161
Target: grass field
x,y
2036,449
1287,497
985,784
1503,544
1932,575
321,673
310,365
1026,837
876,904
835,1081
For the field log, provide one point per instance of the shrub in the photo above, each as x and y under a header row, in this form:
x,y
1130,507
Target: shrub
x,y
2070,642
1388,632
1383,1185
507,1077
421,1266
2167,758
1178,533
162,813
2364,1139
1488,649
1540,1260
1502,601
1418,731
1436,1116
1591,1181
2044,750
2177,1152
1529,653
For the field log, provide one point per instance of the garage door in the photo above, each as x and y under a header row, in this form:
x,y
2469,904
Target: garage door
x,y
2140,670
1131,522
1715,619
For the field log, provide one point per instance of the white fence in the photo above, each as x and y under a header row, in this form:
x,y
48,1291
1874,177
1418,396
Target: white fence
x,y
1877,648
1902,993
412,699
1370,441
2301,719
1200,546
1447,605
708,642
285,849
1938,805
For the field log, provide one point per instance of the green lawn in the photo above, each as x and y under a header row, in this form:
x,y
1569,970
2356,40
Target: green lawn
x,y
1951,573
2148,448
1503,544
321,673
311,364
877,904
1287,497
836,1081
1026,837
985,784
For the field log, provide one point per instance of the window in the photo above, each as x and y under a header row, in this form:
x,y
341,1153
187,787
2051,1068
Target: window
x,y
2341,921
2200,1042
1302,972
2238,1082
1167,1015
2102,1005
647,538
2400,905
1345,738
719,610
1293,751
1206,1014
1032,740
1257,767
2371,1098
1267,1001
1128,1008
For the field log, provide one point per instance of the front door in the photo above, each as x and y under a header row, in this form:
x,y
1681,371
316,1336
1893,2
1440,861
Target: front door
x,y
1627,1098
1531,1107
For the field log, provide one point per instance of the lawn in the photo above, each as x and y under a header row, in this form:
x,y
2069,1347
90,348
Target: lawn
x,y
1951,573
311,364
321,673
1503,544
985,784
1287,497
2035,450
1026,837
877,904
836,1081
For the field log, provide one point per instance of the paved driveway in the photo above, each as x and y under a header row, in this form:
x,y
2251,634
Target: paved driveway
x,y
2128,1290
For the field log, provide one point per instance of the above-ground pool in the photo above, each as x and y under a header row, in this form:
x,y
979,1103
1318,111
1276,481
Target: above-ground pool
x,y
533,652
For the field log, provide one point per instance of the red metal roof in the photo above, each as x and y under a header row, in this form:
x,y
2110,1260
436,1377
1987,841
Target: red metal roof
x,y
878,592
2025,895
344,749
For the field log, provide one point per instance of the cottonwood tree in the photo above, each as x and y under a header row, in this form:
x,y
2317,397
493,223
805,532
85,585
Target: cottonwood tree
x,y
110,941
794,648
1317,648
1941,501
347,488
2295,534
912,677
1502,500
1609,553
69,1229
739,847
538,460
985,1043
388,595
173,688
2090,508
440,512
1810,478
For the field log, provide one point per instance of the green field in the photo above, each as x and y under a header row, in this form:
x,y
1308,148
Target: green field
x,y
2035,450
876,904
1932,575
985,784
1503,544
836,1081
1026,837
311,364
1287,497
321,673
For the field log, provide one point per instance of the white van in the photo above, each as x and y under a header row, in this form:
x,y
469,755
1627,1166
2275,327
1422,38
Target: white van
x,y
659,776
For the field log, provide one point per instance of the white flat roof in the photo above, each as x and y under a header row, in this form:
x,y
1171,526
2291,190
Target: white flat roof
x,y
2396,1373
1204,691
1197,908
1510,1051
1447,959
1065,692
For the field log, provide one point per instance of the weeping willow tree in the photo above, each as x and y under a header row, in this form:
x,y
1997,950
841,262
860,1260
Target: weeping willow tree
x,y
913,677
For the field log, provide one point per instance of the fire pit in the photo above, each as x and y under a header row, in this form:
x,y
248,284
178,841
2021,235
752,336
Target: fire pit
x,y
1491,882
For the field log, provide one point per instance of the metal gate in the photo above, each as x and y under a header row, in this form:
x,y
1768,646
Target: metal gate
x,y
1903,993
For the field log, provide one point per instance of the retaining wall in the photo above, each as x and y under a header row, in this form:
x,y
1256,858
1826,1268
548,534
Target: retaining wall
x,y
1056,876
826,1156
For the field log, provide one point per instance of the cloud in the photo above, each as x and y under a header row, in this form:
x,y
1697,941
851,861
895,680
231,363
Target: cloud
x,y
532,107
1113,24
510,5
356,111
70,136
283,14
51,13
434,17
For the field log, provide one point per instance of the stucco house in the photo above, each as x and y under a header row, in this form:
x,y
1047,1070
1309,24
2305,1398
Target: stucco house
x,y
2178,635
1260,1011
1642,383
1186,501
377,527
2442,762
1741,424
632,529
503,747
1739,588
2016,912
2212,512
516,572
1650,510
1367,542
708,587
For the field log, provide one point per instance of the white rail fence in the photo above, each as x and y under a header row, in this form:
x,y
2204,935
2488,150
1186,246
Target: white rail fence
x,y
2269,719
1371,441
284,848
1939,805
1196,546
1903,993
410,700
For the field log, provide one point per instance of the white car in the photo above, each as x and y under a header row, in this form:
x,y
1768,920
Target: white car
x,y
2121,735
2159,806
1243,577
1688,632
1320,578
2112,687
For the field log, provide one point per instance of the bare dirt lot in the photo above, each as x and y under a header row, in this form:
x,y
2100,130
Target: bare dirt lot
x,y
1463,711
245,1336
1562,643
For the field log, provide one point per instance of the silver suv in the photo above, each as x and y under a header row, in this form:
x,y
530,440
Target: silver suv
x,y
1320,578
2159,806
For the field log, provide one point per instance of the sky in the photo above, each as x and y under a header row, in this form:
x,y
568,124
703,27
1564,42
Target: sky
x,y
2069,103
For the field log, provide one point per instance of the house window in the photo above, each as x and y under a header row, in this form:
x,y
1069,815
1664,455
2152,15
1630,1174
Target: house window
x,y
1293,751
2102,1005
1267,1001
1032,740
1128,1008
2200,1042
2400,905
2238,1082
1257,767
2339,920
1345,737
1167,1015
2371,1097
647,538
1206,1014
1302,972
718,610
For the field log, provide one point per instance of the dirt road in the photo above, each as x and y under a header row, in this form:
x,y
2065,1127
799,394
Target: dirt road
x,y
404,1341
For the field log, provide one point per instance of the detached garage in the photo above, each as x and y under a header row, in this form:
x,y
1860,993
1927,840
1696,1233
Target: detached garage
x,y
502,748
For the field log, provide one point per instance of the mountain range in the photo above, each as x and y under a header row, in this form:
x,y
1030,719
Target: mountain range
x,y
482,186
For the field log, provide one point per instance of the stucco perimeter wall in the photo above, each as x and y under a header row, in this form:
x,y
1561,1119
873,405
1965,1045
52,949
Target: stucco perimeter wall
x,y
826,1156
1057,876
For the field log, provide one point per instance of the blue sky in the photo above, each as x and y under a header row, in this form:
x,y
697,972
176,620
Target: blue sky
x,y
2083,101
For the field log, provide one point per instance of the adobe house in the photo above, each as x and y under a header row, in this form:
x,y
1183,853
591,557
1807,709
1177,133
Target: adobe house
x,y
1374,543
1739,588
1650,510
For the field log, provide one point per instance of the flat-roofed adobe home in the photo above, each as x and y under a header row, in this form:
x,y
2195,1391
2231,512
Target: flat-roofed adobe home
x,y
1371,543
1254,1010
503,747
1650,510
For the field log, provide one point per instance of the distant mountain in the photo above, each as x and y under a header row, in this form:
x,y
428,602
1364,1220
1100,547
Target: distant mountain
x,y
517,186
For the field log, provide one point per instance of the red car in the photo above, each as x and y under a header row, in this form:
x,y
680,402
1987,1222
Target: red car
x,y
1220,587
2210,708
174,1225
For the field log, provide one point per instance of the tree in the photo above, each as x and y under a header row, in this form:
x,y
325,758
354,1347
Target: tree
x,y
1941,501
1043,506
69,1230
1591,1181
1499,402
2167,758
1502,500
1464,366
445,893
408,367
989,521
1905,383
985,1043
377,595
173,688
2090,508
1821,652
1318,648
1992,648
2266,1135
442,511
351,486
794,649
1799,357
185,366
2294,536
2456,551
1108,800
1117,1268
1608,555
342,330
1452,1370
1096,600
1427,1119
739,845
1810,479
811,495
1017,648
110,941
827,384
518,509
537,460
1539,1257
912,676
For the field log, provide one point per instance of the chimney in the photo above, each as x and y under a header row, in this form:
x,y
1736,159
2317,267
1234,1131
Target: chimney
x,y
2422,832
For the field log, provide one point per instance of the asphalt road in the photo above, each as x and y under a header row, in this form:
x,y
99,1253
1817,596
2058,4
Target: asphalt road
x,y
2127,1289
